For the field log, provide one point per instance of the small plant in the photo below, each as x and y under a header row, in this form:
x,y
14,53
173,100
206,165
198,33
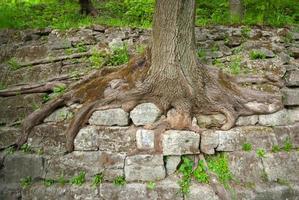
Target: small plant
x,y
256,54
201,53
2,86
26,182
245,32
287,145
40,152
59,89
247,147
97,59
186,169
235,65
260,153
275,149
215,48
200,173
97,179
219,164
79,179
218,63
81,47
13,64
62,181
10,151
48,182
288,38
151,185
119,56
119,181
26,148
46,98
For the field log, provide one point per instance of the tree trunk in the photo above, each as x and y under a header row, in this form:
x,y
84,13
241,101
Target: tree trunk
x,y
236,9
87,8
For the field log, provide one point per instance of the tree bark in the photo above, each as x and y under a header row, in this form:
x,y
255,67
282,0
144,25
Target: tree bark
x,y
87,8
236,9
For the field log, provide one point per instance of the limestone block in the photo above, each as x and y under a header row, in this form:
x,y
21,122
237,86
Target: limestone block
x,y
110,117
145,139
290,96
87,139
172,163
145,113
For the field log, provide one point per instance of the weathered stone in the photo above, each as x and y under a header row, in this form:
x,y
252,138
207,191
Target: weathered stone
x,y
93,162
31,53
16,108
209,141
56,42
50,138
232,140
145,139
67,192
10,191
8,136
116,43
294,52
276,119
199,191
282,165
20,165
167,189
208,121
110,117
276,192
112,139
117,139
172,163
180,142
285,58
248,120
290,96
267,53
246,167
292,78
87,139
144,168
145,113
59,115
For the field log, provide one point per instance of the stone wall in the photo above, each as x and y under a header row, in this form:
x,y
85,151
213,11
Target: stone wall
x,y
118,144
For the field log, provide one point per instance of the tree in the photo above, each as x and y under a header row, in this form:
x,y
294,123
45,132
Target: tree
x,y
170,75
236,9
87,8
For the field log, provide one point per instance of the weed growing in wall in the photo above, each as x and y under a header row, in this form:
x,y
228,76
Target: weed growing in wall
x,y
79,179
119,181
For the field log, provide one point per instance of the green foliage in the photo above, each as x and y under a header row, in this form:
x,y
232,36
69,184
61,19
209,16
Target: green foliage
x,y
260,153
26,182
10,151
79,179
247,147
245,32
26,148
48,182
119,56
256,54
287,145
220,166
119,181
97,179
97,59
59,89
13,64
62,181
200,173
151,185
186,170
275,149
46,98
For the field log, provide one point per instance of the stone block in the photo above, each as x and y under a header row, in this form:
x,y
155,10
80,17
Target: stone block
x,y
199,191
209,141
292,78
282,165
21,165
208,121
276,119
145,113
87,139
144,168
290,96
145,139
8,136
110,117
59,115
126,192
246,167
180,142
247,120
172,162
93,162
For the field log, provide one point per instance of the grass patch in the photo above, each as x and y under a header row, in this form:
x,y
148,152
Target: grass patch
x,y
247,147
97,179
261,153
151,185
119,181
48,182
79,179
13,64
26,182
256,54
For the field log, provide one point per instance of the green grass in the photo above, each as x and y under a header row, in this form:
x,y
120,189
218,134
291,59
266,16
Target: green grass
x,y
261,153
119,181
79,179
138,13
256,54
49,182
26,182
151,185
247,147
97,179
287,145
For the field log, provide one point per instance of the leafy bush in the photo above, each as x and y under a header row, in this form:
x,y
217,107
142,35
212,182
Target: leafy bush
x,y
139,11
